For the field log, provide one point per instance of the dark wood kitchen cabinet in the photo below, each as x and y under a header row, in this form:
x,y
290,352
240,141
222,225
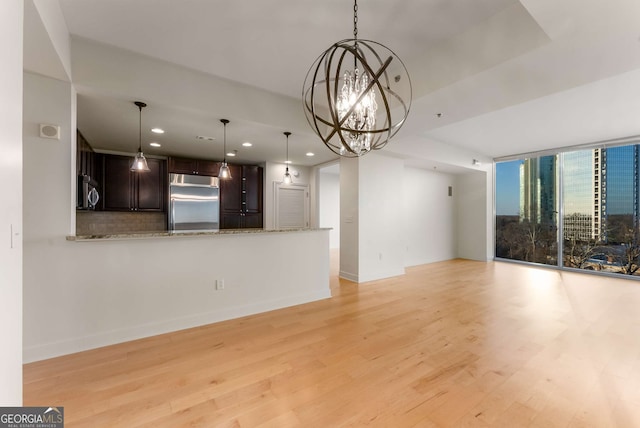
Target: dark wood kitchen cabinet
x,y
241,198
85,157
124,190
194,166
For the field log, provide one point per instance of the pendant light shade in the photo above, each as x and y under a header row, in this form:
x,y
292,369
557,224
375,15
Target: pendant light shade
x,y
225,172
139,163
287,179
357,95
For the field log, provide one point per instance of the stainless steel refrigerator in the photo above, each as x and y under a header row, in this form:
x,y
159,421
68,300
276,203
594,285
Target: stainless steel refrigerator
x,y
194,203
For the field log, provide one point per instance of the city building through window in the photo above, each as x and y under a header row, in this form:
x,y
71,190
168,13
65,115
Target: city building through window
x,y
576,209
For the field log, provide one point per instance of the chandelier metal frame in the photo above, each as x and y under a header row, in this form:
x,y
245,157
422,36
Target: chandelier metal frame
x,y
347,131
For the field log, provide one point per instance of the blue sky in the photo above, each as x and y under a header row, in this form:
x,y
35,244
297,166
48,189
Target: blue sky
x,y
508,187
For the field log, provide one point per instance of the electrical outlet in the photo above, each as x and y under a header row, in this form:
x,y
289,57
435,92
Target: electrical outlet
x,y
219,284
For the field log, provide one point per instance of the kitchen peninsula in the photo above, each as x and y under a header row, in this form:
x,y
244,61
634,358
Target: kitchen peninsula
x,y
125,288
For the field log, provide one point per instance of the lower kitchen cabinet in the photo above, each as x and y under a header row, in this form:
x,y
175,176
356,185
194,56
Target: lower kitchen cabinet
x,y
124,190
241,220
252,221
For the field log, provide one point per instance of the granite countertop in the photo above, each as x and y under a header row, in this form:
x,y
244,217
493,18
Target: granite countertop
x,y
166,234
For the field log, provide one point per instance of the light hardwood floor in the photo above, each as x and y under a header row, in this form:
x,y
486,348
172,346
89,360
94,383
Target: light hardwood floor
x,y
456,343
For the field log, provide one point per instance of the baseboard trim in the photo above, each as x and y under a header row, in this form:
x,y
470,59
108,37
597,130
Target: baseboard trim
x,y
98,340
378,275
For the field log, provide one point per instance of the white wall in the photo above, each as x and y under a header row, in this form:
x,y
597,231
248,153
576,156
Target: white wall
x,y
474,208
394,216
370,217
11,25
380,242
329,198
429,222
424,225
48,167
55,26
349,218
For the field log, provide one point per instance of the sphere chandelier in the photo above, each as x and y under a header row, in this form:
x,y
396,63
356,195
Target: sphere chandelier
x,y
350,99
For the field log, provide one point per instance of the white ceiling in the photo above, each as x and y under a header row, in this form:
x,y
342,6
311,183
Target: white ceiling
x,y
506,76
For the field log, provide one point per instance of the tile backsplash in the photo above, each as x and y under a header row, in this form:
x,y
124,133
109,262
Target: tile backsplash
x,y
110,222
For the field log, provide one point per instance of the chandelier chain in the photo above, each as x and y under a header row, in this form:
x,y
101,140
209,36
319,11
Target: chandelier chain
x,y
355,19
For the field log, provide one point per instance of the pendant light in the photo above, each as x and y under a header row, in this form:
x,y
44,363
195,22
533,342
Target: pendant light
x,y
225,172
357,95
287,176
139,163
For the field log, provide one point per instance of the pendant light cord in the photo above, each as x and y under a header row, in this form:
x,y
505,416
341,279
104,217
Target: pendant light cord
x,y
140,105
224,141
287,133
140,128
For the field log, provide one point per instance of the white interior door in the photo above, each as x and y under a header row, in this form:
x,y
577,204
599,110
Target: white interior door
x,y
291,205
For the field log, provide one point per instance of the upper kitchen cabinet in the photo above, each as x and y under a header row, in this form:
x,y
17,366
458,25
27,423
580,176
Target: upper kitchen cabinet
x,y
241,198
85,157
194,166
124,190
252,183
231,191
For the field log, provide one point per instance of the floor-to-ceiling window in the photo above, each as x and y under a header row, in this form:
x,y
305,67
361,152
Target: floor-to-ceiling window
x,y
526,210
580,204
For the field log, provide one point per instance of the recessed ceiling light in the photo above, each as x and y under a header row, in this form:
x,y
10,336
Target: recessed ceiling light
x,y
232,154
157,130
310,154
154,144
204,137
247,144
287,161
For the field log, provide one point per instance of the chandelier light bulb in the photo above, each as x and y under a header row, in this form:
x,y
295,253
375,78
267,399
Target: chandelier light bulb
x,y
357,110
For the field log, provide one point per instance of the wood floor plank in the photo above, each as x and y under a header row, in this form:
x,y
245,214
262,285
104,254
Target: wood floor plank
x,y
456,343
